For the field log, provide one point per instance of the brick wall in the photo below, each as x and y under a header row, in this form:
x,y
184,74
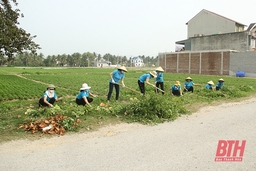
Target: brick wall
x,y
207,63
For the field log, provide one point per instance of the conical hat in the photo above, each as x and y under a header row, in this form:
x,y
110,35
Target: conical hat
x,y
160,69
188,78
221,79
153,73
210,82
123,68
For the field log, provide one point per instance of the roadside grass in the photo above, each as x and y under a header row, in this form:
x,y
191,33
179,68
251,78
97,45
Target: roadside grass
x,y
20,94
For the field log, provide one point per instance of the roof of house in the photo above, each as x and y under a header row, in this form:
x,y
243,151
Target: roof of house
x,y
217,15
251,26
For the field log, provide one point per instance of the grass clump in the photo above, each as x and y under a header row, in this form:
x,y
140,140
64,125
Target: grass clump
x,y
153,109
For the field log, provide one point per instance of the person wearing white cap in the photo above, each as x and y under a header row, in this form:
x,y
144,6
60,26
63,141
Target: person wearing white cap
x,y
115,77
83,97
145,78
49,97
160,79
220,84
209,85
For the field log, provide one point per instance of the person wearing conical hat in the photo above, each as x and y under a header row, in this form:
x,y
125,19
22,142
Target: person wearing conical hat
x,y
188,85
49,97
160,79
145,78
176,89
115,77
220,84
83,97
209,85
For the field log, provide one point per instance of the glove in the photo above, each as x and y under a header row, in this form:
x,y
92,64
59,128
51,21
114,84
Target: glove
x,y
113,81
123,85
51,105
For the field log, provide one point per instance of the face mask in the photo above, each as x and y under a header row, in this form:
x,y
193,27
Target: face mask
x,y
51,91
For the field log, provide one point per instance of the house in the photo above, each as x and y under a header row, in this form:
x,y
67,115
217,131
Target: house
x,y
101,63
210,31
137,61
215,45
252,33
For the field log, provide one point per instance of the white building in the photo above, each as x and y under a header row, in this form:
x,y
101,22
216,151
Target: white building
x,y
101,63
137,62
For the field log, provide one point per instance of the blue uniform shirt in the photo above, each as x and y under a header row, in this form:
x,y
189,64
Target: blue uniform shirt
x,y
48,98
188,84
117,76
220,84
174,88
83,94
144,77
159,77
208,86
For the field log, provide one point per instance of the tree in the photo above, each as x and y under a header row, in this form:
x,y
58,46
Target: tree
x,y
12,38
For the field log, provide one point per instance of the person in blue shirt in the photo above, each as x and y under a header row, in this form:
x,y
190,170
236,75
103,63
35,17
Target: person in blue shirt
x,y
115,77
145,78
220,84
176,89
83,97
209,85
49,97
188,85
160,79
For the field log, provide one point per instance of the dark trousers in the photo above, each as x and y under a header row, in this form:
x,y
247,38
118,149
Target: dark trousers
x,y
161,84
82,102
190,89
42,103
176,93
111,85
142,87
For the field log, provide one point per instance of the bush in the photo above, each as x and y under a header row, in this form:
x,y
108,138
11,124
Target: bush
x,y
153,109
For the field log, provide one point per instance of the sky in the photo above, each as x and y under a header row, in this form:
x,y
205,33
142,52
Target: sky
x,y
119,27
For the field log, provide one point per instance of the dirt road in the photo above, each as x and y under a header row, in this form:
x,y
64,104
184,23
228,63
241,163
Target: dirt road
x,y
187,144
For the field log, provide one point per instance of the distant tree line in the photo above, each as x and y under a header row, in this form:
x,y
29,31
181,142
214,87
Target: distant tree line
x,y
86,59
17,47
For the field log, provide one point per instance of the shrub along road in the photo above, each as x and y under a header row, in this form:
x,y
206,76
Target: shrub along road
x,y
188,143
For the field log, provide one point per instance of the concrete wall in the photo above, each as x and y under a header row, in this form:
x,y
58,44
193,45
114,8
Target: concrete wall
x,y
244,61
208,23
235,41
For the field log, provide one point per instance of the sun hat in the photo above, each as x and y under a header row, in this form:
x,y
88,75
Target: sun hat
x,y
85,87
51,86
123,68
188,78
221,80
153,73
210,82
177,83
160,69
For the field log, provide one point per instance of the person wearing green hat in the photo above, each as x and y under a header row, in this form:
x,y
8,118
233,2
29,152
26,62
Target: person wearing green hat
x,y
49,97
